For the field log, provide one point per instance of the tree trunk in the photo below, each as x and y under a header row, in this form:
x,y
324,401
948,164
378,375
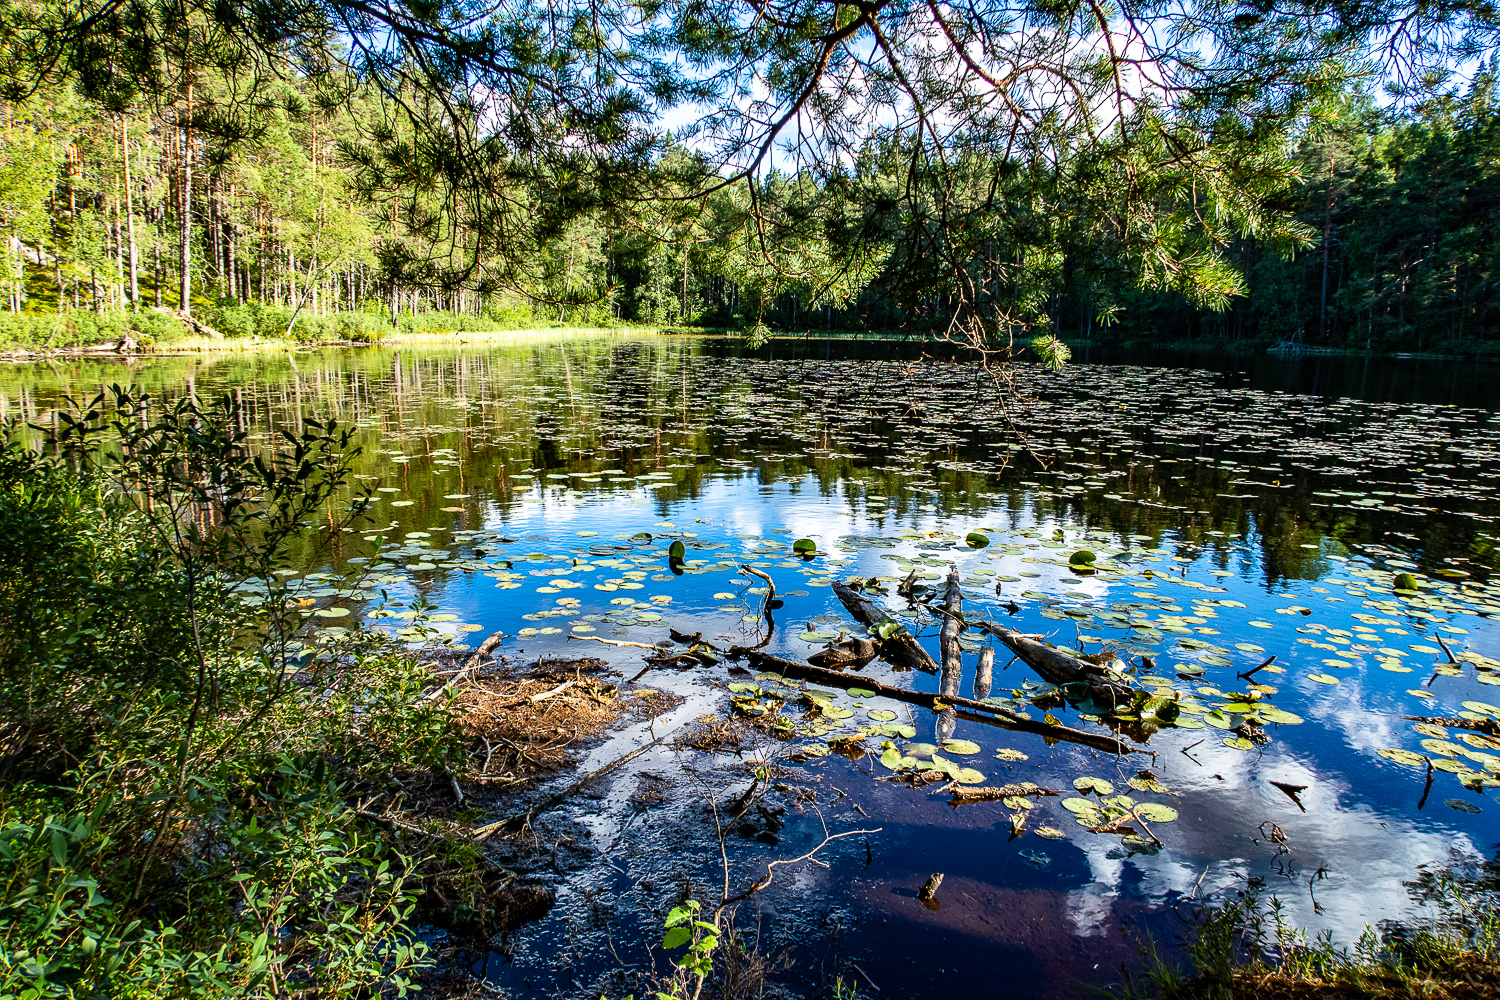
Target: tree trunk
x,y
185,211
135,288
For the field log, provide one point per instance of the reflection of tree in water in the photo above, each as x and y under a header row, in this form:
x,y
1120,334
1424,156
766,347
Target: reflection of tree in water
x,y
1147,452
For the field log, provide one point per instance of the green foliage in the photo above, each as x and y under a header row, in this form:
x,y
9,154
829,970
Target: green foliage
x,y
1050,351
179,755
1247,949
699,937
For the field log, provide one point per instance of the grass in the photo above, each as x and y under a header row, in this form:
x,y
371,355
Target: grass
x,y
1245,950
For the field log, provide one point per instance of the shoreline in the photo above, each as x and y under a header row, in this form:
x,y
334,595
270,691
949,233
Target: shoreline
x,y
194,345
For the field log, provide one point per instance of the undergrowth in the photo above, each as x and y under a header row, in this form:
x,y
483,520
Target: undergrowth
x,y
1247,950
180,761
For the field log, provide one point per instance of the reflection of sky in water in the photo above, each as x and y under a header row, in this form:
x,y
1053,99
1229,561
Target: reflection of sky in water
x,y
1288,524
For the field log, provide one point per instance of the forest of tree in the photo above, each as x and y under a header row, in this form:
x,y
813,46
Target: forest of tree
x,y
273,217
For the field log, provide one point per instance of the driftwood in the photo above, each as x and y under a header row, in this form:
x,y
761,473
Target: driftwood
x,y
986,793
978,711
852,651
901,648
953,654
195,323
984,674
1057,667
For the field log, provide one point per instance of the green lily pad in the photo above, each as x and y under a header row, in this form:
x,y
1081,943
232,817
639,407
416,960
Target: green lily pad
x,y
1155,812
1400,756
1099,786
962,747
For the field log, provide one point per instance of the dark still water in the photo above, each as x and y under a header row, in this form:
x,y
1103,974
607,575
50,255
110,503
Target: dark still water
x,y
1236,508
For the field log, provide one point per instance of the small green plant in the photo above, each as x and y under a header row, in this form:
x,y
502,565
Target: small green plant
x,y
684,929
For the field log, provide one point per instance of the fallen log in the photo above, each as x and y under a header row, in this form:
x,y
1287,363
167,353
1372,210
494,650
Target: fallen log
x,y
197,325
978,711
901,647
986,793
1057,667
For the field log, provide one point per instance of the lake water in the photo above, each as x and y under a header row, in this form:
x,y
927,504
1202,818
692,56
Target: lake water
x,y
1237,507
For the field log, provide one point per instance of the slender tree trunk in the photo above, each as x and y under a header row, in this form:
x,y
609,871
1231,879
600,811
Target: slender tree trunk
x,y
156,252
135,288
1327,245
185,211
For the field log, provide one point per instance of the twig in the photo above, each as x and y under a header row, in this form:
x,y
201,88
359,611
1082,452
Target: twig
x,y
862,972
770,874
615,642
483,833
1248,673
549,693
1451,658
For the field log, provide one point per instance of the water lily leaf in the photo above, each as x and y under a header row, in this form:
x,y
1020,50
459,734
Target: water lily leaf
x,y
804,546
1083,557
962,747
968,776
1155,812
893,759
860,693
1099,786
882,715
1078,806
977,540
1049,832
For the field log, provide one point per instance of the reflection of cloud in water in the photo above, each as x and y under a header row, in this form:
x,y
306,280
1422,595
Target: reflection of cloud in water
x,y
1365,856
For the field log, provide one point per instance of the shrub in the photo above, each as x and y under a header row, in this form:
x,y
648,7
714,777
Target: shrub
x,y
179,759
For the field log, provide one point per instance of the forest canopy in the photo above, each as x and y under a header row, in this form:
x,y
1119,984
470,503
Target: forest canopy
x,y
964,170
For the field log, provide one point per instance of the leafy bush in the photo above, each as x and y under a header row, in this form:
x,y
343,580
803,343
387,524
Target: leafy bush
x,y
180,760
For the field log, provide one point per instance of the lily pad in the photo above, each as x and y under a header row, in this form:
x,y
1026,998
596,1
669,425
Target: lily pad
x,y
1155,812
1099,786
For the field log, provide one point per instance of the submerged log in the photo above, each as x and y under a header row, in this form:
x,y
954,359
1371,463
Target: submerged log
x,y
901,648
978,711
1057,667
